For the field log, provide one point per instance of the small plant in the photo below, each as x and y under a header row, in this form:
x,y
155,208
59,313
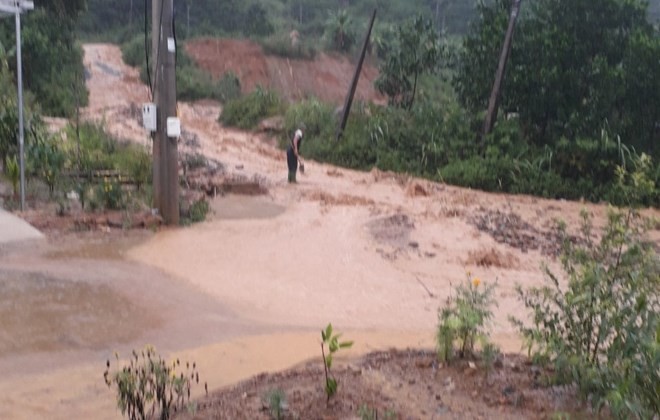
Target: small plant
x,y
13,173
601,331
463,319
333,343
276,402
149,387
489,353
110,195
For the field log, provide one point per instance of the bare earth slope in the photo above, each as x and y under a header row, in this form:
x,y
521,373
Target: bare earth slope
x,y
326,77
248,290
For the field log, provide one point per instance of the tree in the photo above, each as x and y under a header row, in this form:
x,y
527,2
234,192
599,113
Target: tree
x,y
415,51
338,30
571,68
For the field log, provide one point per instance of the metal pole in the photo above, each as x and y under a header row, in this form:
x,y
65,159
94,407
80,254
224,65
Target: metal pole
x,y
19,71
356,77
493,102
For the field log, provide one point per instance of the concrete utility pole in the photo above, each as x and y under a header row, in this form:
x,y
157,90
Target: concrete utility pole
x,y
356,77
493,102
165,154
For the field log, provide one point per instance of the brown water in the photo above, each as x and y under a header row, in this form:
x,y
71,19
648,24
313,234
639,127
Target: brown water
x,y
42,313
244,207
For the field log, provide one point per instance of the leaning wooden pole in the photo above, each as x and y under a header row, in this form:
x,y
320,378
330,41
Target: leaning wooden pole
x,y
356,77
493,102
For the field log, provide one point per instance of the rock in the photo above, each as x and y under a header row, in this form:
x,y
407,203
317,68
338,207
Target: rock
x,y
472,365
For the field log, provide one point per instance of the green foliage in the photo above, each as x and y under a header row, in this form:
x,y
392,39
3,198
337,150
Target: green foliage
x,y
109,195
228,87
463,319
276,402
569,73
246,112
334,345
12,169
601,330
149,387
46,159
198,211
338,31
52,61
639,187
415,51
138,165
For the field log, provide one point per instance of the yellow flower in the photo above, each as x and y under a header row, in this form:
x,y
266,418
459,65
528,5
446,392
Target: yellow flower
x,y
476,282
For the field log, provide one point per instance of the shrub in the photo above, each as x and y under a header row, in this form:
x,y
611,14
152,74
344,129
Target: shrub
x,y
109,195
139,167
149,387
602,331
228,87
12,169
462,321
247,111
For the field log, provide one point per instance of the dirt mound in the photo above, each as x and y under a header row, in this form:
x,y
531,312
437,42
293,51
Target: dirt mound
x,y
397,384
326,77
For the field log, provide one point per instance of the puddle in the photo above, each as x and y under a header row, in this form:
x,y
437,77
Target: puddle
x,y
244,207
39,313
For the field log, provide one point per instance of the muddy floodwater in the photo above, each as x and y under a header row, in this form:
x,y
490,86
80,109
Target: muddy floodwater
x,y
244,207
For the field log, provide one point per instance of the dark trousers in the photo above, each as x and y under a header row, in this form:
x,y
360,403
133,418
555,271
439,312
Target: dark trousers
x,y
292,163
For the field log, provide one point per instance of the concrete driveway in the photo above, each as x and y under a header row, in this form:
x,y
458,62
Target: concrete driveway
x,y
14,228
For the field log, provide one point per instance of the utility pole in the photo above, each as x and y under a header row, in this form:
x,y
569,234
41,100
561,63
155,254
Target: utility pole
x,y
165,154
493,102
356,77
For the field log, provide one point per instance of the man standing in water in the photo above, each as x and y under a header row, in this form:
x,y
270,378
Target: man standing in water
x,y
293,155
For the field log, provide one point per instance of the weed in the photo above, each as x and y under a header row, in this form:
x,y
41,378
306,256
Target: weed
x,y
489,354
333,343
275,399
463,319
149,387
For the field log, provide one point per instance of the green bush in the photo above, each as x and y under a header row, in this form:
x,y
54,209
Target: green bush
x,y
150,387
138,165
109,195
228,87
602,330
463,319
247,111
12,169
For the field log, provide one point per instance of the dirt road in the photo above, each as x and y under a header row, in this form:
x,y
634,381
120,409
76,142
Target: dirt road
x,y
248,290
